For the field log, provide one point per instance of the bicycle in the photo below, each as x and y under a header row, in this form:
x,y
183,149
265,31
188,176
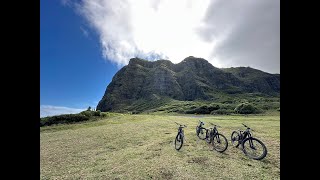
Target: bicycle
x,y
200,131
249,144
218,141
180,137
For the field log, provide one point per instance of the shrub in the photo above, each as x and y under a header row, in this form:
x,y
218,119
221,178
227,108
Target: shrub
x,y
91,113
203,109
97,113
61,119
227,102
87,113
266,106
222,111
246,108
43,121
244,101
104,114
228,106
135,112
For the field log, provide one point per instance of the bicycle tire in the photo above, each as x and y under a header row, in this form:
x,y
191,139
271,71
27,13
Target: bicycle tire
x,y
179,138
218,138
264,153
208,138
200,131
235,136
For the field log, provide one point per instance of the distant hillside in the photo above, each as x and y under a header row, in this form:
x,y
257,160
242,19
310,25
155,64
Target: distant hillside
x,y
193,79
258,81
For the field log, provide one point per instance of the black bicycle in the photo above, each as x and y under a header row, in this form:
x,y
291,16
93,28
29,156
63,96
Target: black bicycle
x,y
218,141
180,137
251,147
201,131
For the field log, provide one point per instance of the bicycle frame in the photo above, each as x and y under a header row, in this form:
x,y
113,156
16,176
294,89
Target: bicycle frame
x,y
200,125
180,130
246,134
213,132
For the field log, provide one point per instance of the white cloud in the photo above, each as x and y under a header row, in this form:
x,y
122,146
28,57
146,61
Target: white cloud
x,y
48,110
215,30
149,29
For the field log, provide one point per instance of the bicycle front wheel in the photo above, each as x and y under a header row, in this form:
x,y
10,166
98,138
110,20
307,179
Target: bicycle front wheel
x,y
254,148
178,141
220,142
235,137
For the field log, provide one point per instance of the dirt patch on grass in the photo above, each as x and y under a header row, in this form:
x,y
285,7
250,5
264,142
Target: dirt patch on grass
x,y
198,160
165,142
110,148
153,155
166,174
154,148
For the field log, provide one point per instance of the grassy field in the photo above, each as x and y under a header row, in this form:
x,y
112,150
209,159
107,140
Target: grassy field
x,y
141,147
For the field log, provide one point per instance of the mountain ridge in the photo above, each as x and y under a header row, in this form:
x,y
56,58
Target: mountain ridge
x,y
191,79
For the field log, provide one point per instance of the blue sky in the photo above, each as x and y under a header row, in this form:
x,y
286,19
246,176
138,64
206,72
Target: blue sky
x,y
73,72
83,43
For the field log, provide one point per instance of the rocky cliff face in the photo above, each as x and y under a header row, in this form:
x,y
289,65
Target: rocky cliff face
x,y
191,79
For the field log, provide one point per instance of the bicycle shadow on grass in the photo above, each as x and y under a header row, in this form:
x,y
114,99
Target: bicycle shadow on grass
x,y
199,145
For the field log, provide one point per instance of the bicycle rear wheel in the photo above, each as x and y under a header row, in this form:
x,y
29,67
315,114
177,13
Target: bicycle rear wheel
x,y
201,133
208,136
254,148
219,142
178,141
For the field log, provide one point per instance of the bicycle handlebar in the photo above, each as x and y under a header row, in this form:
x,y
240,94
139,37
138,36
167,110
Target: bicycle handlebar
x,y
247,127
181,125
214,124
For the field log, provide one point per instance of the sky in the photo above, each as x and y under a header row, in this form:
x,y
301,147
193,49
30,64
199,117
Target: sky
x,y
83,43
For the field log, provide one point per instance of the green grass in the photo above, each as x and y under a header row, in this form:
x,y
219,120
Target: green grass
x,y
141,147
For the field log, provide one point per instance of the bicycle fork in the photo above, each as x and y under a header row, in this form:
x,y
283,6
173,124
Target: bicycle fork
x,y
250,141
251,144
218,139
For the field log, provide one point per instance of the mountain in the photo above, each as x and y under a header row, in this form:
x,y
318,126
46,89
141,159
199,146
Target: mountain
x,y
259,81
191,79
